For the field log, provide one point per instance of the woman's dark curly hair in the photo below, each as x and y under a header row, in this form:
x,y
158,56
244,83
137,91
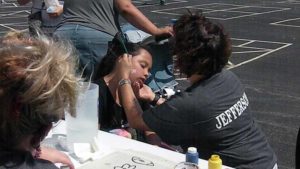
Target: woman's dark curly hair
x,y
116,48
201,46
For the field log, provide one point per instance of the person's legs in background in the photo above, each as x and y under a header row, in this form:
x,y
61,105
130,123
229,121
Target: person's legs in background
x,y
91,46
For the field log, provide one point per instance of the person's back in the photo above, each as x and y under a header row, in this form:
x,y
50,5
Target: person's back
x,y
220,122
99,15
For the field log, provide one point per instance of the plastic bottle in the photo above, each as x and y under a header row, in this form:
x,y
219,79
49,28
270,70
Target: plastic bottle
x,y
51,5
215,162
84,127
192,155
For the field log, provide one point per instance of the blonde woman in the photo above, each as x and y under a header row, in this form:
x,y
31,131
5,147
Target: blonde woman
x,y
37,84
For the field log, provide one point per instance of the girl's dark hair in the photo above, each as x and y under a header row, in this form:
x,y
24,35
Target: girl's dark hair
x,y
116,48
201,46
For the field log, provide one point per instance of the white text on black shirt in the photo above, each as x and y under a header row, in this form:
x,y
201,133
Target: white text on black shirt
x,y
233,112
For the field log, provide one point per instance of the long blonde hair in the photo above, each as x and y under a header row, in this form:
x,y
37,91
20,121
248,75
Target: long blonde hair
x,y
37,85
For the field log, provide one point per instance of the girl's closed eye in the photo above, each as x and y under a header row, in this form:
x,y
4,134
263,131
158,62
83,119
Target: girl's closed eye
x,y
143,65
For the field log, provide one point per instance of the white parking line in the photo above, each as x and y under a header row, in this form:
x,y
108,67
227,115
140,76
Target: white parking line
x,y
266,51
289,2
281,23
274,42
14,13
8,27
246,43
253,51
258,57
228,8
16,24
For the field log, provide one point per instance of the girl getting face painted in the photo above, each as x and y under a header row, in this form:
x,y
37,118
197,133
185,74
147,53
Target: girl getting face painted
x,y
111,113
141,65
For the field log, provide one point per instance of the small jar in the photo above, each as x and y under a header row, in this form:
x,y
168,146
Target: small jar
x,y
192,155
215,162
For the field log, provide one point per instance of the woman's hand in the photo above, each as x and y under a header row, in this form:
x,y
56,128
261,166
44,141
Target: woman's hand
x,y
124,66
165,31
55,156
143,93
58,11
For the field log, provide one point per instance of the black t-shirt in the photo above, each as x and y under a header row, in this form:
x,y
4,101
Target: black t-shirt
x,y
111,115
214,116
23,160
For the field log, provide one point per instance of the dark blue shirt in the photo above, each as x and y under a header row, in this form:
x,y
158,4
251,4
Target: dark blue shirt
x,y
214,116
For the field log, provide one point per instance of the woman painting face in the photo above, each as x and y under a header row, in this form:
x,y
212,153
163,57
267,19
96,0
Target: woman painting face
x,y
141,65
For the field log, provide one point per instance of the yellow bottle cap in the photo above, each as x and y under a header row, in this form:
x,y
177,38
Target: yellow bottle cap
x,y
215,162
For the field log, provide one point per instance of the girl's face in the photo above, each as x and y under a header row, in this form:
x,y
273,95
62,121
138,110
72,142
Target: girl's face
x,y
141,65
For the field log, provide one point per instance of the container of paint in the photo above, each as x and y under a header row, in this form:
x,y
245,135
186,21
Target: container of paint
x,y
215,162
192,155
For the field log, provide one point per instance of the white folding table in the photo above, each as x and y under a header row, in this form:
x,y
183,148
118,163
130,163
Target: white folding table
x,y
110,145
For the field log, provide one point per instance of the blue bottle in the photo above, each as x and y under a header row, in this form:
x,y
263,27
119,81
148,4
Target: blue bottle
x,y
192,155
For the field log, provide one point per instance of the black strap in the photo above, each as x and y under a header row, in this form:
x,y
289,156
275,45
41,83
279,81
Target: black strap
x,y
155,100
